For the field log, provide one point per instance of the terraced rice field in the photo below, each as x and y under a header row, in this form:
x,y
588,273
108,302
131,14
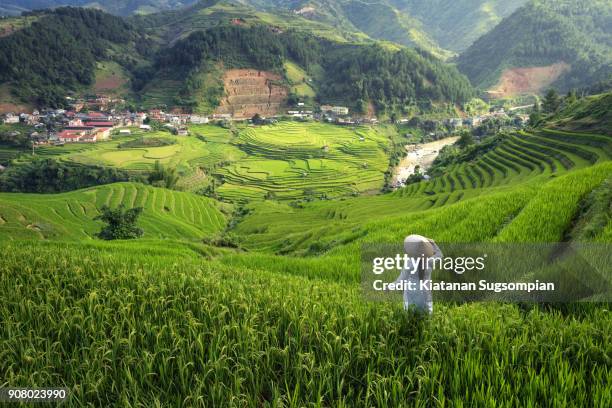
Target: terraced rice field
x,y
295,160
69,216
156,322
479,200
193,156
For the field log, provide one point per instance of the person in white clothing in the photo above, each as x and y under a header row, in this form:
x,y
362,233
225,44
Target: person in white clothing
x,y
417,246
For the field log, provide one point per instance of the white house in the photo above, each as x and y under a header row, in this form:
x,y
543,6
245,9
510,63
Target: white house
x,y
198,120
10,118
340,110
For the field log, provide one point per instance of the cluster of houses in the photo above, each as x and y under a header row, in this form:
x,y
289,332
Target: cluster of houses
x,y
59,126
475,121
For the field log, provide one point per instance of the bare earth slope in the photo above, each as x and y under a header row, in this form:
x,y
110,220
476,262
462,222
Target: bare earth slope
x,y
249,91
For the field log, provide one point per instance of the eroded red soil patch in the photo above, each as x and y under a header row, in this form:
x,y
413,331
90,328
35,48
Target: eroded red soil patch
x,y
526,80
248,91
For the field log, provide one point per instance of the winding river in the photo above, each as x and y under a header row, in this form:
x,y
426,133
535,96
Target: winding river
x,y
422,155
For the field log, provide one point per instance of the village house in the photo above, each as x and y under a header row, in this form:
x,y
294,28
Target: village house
x,y
157,115
97,116
71,135
340,110
9,118
198,120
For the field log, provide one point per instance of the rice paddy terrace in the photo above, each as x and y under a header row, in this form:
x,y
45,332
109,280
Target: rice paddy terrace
x,y
194,156
70,216
296,160
534,180
286,161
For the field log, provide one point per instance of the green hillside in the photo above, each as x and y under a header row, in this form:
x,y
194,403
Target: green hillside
x,y
117,7
591,114
152,322
456,24
177,59
542,33
57,54
391,78
69,216
474,200
294,161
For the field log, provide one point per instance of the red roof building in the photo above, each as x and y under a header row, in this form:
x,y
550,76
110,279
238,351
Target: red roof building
x,y
96,115
99,124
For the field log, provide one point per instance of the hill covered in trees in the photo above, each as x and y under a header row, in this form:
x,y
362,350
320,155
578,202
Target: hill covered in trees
x,y
573,34
441,26
117,7
355,75
57,55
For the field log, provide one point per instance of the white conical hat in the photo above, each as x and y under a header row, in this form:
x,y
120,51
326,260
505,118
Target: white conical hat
x,y
417,245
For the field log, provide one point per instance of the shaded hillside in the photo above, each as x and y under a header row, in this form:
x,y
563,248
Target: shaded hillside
x,y
456,24
57,54
592,114
544,33
355,75
117,7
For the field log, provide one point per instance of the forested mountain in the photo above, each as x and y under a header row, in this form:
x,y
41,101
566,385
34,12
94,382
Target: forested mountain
x,y
456,24
436,25
57,55
573,38
354,75
117,7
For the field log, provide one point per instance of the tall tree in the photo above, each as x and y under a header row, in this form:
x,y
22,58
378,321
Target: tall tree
x,y
551,102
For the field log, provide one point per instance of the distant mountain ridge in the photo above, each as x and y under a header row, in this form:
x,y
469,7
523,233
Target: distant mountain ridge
x,y
117,7
177,59
442,27
571,39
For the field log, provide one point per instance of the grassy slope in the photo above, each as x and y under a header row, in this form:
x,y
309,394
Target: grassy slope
x,y
121,328
167,214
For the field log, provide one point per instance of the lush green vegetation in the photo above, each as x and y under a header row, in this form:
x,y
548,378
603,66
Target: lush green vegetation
x,y
120,223
50,176
542,33
58,53
391,80
139,324
295,161
167,214
190,319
